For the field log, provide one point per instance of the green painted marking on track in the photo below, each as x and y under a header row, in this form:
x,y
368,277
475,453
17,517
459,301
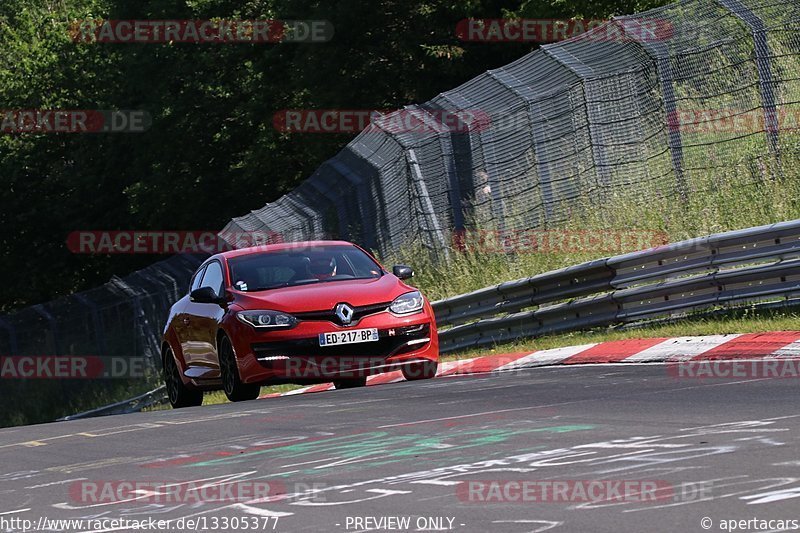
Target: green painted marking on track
x,y
379,443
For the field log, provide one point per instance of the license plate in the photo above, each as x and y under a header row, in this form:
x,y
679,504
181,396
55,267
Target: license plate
x,y
348,337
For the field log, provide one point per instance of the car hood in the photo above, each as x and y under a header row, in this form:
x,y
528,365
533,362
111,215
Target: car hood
x,y
325,295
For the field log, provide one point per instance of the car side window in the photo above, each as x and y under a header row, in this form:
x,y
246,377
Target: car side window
x,y
198,277
213,278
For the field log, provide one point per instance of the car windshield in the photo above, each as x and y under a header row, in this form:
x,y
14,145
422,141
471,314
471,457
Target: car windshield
x,y
301,266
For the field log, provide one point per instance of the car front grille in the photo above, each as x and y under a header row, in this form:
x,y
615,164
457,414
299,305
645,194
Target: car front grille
x,y
310,349
330,316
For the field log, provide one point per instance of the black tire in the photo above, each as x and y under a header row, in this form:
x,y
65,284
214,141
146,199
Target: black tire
x,y
235,390
415,371
350,383
179,394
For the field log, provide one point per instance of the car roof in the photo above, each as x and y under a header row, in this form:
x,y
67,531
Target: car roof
x,y
279,247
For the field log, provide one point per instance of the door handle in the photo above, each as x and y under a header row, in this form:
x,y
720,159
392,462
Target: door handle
x,y
185,321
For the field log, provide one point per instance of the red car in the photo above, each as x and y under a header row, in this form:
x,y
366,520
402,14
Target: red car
x,y
309,312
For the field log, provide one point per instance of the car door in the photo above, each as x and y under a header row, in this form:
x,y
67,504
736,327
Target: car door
x,y
202,320
181,321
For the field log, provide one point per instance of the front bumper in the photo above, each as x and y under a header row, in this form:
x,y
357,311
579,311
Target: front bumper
x,y
295,356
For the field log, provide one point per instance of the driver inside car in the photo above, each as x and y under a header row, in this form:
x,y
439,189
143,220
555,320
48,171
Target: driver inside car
x,y
322,268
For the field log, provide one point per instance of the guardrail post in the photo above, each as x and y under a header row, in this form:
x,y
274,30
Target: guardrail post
x,y
759,33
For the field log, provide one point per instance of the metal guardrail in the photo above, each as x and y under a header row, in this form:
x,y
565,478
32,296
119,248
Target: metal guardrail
x,y
721,270
132,405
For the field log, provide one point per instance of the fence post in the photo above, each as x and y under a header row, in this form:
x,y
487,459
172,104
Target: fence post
x,y
585,73
12,336
148,332
657,50
454,191
179,278
368,238
97,322
538,139
325,192
758,32
421,192
304,211
53,327
147,336
458,148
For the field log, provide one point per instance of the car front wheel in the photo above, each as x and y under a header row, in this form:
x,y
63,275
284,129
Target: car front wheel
x,y
179,394
235,390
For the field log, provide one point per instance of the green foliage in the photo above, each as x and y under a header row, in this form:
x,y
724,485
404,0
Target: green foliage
x,y
211,152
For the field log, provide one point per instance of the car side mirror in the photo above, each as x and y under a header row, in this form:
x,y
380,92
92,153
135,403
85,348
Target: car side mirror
x,y
205,295
403,271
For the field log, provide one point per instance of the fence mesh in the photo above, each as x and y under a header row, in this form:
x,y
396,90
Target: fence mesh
x,y
617,110
583,120
121,320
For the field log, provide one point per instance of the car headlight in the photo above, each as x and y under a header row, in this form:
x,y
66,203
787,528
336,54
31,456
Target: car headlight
x,y
410,302
267,319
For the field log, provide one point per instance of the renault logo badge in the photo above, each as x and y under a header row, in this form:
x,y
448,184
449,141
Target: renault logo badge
x,y
344,312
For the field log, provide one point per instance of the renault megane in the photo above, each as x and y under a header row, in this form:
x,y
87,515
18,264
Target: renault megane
x,y
306,312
